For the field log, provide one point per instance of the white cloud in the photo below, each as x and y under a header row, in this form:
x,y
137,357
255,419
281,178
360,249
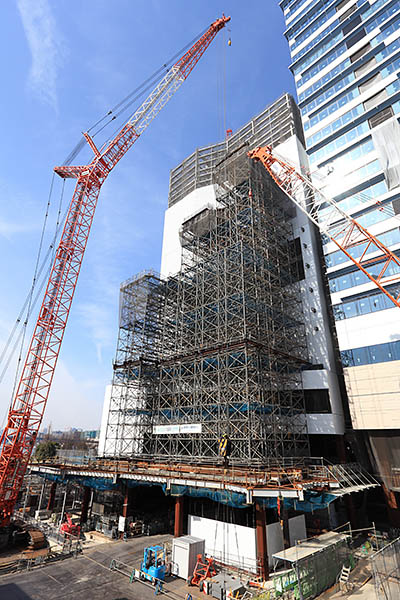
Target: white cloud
x,y
73,402
9,229
96,318
46,48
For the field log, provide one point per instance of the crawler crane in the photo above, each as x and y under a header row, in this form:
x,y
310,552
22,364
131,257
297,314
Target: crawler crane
x,y
28,405
344,231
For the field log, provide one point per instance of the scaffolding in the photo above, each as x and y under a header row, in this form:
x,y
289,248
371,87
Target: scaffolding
x,y
386,571
133,391
217,349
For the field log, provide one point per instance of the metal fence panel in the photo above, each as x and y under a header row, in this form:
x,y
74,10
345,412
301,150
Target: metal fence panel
x,y
386,571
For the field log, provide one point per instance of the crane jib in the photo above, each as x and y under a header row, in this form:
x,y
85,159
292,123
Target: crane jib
x,y
28,405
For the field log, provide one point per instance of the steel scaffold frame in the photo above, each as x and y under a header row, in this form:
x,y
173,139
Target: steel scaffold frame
x,y
221,344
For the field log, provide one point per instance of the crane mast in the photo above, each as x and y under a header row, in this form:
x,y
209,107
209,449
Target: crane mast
x,y
344,231
28,405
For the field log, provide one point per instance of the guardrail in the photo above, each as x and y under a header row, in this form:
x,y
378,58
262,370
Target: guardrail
x,y
68,546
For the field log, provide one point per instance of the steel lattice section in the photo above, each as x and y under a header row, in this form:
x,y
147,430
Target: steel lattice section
x,y
222,343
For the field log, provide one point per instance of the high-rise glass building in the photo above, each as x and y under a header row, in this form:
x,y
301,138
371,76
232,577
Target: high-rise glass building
x,y
346,64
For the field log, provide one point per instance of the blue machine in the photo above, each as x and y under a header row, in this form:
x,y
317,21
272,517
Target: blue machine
x,y
153,565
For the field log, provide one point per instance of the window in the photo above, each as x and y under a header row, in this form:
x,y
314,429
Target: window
x,y
356,38
296,258
356,21
360,356
317,401
350,310
347,13
396,206
361,71
347,358
341,5
370,82
360,52
364,306
379,118
375,100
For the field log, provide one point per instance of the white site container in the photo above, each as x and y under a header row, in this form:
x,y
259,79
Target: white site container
x,y
184,555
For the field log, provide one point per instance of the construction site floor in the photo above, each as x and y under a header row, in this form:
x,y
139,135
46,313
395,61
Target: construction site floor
x,y
360,586
88,576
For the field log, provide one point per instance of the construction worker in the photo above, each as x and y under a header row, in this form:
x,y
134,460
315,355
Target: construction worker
x,y
225,449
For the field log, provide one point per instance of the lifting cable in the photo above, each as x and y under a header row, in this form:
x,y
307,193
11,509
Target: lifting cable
x,y
31,300
132,97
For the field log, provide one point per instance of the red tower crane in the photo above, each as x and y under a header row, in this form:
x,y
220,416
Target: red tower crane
x,y
344,231
27,408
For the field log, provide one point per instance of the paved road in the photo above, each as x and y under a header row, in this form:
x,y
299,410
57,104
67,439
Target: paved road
x,y
87,577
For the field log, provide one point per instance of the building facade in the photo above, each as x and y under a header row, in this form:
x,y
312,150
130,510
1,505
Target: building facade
x,y
346,65
235,336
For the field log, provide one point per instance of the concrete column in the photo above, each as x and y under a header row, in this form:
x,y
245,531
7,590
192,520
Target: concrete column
x,y
179,506
261,537
348,498
85,503
52,497
341,448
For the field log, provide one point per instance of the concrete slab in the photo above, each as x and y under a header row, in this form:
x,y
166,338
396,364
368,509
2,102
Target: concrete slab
x,y
87,576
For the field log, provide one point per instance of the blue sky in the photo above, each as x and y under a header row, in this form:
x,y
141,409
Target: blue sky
x,y
64,63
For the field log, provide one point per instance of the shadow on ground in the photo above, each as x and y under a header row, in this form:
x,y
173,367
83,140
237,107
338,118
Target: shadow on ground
x,y
12,591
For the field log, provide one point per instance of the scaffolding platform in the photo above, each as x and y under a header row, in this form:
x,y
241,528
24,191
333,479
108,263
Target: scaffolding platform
x,y
296,480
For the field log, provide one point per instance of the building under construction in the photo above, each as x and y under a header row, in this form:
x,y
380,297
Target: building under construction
x,y
217,349
228,344
225,378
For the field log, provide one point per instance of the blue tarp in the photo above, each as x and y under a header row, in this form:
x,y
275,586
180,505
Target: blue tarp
x,y
312,500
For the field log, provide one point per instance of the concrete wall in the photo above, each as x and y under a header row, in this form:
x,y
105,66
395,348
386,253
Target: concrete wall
x,y
319,341
374,395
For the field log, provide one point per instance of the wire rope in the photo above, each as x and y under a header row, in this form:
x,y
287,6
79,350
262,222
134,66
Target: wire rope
x,y
128,100
39,252
29,302
135,94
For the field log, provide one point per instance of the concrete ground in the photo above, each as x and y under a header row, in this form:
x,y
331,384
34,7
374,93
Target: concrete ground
x,y
361,585
88,577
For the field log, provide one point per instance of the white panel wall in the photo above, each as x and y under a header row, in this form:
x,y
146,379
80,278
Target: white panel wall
x,y
366,330
236,545
231,544
274,541
174,217
104,421
297,529
316,317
